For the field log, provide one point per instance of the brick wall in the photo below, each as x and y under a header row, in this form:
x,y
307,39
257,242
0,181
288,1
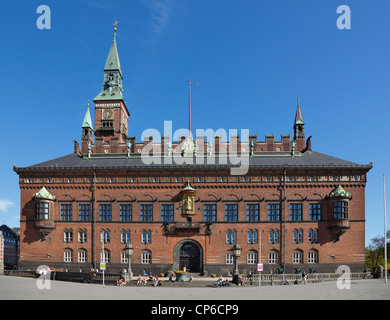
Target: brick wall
x,y
348,250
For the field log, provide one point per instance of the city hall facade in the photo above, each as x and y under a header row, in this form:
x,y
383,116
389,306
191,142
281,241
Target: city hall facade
x,y
184,204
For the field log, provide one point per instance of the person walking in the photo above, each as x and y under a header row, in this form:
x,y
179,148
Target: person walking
x,y
304,277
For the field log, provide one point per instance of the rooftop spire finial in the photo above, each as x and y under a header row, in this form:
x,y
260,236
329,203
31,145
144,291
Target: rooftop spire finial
x,y
115,28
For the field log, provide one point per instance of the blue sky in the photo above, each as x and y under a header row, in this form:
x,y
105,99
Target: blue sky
x,y
252,59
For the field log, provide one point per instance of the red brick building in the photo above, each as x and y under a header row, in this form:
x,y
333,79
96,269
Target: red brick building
x,y
185,203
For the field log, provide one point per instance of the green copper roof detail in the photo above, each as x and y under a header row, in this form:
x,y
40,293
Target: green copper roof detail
x,y
87,123
188,187
112,62
44,194
339,192
298,115
112,83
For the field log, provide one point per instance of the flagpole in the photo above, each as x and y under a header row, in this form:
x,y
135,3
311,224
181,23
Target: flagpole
x,y
189,97
384,202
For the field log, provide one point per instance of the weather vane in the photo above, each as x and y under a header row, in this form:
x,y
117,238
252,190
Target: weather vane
x,y
116,22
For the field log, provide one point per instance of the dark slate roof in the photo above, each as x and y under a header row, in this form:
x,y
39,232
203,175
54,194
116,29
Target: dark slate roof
x,y
272,160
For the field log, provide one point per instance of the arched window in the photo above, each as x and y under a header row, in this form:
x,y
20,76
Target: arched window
x,y
312,256
82,256
273,257
146,257
252,257
297,256
68,255
105,256
229,258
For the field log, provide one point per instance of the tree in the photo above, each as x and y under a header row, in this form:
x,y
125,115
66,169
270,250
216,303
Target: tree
x,y
375,252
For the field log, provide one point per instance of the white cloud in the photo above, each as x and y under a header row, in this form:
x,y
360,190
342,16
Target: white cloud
x,y
5,204
161,12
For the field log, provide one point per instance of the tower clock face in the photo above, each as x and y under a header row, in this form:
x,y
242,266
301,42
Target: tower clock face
x,y
108,114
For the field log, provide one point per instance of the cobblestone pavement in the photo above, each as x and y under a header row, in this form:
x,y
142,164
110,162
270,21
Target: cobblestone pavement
x,y
12,288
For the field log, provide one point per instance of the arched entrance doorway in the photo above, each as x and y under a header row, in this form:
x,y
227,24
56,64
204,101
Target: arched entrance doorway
x,y
188,253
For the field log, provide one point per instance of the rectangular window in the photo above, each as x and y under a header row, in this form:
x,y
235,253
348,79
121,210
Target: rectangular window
x,y
66,212
146,212
273,212
84,212
252,212
125,212
231,212
146,236
312,236
252,236
167,212
210,212
315,211
82,236
274,236
295,211
125,237
105,212
68,236
42,211
340,210
105,236
231,237
297,236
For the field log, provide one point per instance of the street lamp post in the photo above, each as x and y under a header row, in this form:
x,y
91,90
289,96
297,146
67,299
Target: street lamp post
x,y
236,252
129,252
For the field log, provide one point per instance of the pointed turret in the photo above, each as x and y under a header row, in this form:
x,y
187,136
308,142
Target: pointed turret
x,y
87,135
112,62
299,132
112,83
87,123
298,115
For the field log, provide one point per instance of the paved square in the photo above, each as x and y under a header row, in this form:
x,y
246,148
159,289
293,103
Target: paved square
x,y
12,288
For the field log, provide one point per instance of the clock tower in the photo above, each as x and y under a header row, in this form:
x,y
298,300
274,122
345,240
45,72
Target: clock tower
x,y
111,114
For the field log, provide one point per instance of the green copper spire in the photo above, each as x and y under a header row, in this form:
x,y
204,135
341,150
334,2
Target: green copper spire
x,y
112,83
87,123
112,62
298,115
